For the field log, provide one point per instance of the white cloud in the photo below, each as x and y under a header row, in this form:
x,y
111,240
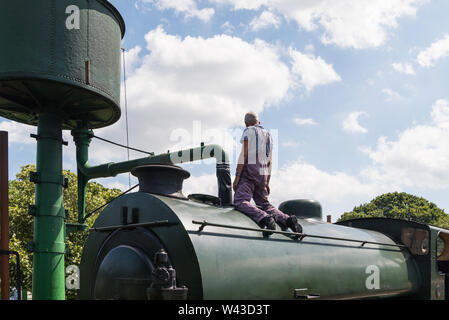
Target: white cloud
x,y
213,81
228,27
265,20
243,4
418,158
117,185
405,68
304,121
357,24
351,122
391,95
187,7
291,144
300,180
312,71
440,113
437,50
205,183
19,135
336,191
210,81
18,132
132,59
309,49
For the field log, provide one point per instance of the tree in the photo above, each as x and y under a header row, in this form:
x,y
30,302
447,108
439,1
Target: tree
x,y
400,206
21,195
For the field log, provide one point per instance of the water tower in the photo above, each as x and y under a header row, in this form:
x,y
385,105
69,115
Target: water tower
x,y
59,70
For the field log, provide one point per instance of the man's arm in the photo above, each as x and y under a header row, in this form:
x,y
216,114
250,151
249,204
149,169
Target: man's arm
x,y
241,163
269,162
268,177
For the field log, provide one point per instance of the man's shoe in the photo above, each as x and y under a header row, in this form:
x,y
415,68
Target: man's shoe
x,y
267,223
292,223
283,225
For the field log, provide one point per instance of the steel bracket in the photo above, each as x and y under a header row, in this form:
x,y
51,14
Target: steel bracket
x,y
74,227
33,210
37,177
37,137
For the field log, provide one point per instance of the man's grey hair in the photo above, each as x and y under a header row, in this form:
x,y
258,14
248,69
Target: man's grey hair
x,y
251,118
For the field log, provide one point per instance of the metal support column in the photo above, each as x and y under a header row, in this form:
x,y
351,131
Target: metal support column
x,y
4,215
49,227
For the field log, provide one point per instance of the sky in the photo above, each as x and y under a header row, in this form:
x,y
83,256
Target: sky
x,y
353,92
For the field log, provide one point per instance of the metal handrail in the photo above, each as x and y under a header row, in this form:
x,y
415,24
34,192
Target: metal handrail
x,y
301,236
134,225
19,271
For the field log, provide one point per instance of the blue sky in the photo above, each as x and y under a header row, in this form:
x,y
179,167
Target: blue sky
x,y
356,92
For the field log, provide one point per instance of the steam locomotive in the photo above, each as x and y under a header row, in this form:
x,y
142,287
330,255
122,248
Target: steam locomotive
x,y
159,244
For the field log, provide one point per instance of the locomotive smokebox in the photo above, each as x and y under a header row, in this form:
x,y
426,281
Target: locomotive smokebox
x,y
164,180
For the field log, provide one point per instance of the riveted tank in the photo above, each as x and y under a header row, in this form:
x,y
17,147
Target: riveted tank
x,y
220,253
61,57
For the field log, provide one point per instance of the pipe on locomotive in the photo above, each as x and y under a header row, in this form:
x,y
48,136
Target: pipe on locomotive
x,y
82,137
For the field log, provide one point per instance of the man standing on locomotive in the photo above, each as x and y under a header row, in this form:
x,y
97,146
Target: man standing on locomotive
x,y
253,178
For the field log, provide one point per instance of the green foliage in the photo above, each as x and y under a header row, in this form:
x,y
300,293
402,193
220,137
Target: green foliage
x,y
400,206
21,195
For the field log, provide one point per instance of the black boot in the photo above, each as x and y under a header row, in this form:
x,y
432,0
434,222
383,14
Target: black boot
x,y
267,223
292,223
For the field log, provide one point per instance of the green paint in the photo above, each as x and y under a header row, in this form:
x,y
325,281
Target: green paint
x,y
227,264
45,62
82,138
82,141
49,235
55,77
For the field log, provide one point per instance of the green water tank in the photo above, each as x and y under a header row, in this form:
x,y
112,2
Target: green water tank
x,y
60,57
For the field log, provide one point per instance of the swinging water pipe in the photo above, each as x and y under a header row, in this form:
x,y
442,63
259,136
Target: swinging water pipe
x,y
82,138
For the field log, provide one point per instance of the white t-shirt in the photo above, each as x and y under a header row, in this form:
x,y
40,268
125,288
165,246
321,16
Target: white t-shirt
x,y
260,146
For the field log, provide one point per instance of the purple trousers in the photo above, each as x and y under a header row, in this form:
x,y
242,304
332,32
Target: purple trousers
x,y
249,189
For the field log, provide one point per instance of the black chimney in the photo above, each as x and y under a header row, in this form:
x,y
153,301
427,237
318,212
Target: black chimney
x,y
161,179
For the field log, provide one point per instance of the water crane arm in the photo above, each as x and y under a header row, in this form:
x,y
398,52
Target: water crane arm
x,y
82,138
